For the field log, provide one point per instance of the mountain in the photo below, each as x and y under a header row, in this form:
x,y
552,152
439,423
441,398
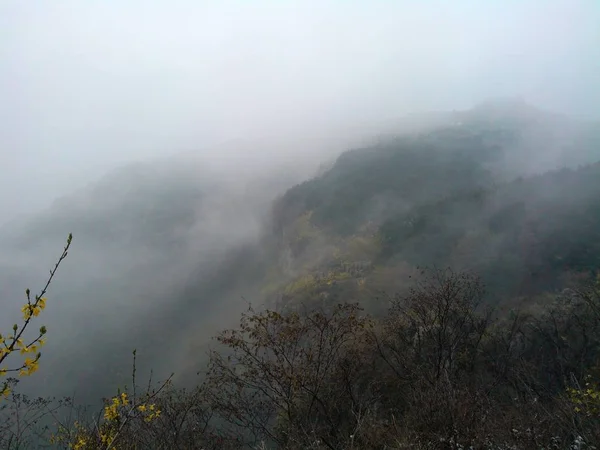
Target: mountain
x,y
158,247
167,253
503,189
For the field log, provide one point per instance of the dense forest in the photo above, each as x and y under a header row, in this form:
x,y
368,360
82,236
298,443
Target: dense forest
x,y
451,197
437,289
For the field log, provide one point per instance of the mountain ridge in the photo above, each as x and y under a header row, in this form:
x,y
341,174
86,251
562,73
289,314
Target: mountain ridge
x,y
192,245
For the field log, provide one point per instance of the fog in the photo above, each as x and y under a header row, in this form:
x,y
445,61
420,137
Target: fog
x,y
203,112
86,86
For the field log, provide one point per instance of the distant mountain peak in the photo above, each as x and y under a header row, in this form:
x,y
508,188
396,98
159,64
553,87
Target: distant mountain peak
x,y
511,110
509,106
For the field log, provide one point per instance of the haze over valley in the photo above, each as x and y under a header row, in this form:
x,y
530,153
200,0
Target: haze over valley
x,y
215,159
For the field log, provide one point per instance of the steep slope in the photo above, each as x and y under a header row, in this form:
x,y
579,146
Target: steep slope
x,y
164,252
158,248
453,195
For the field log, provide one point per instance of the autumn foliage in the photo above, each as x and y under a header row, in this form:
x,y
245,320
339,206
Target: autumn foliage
x,y
440,370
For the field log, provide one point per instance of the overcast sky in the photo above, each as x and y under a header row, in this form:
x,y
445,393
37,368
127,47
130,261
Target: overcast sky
x,y
87,85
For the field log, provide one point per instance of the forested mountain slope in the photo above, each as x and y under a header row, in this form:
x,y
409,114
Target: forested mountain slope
x,y
159,247
472,194
174,246
168,254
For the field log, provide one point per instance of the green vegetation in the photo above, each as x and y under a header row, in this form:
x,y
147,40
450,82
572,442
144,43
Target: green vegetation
x,y
450,197
355,345
437,370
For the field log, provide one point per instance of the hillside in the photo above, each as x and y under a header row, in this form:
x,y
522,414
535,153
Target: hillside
x,y
170,253
160,245
453,196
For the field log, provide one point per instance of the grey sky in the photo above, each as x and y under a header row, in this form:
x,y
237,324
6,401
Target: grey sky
x,y
87,85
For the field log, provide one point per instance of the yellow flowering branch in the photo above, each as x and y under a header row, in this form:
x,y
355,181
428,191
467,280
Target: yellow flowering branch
x,y
14,342
120,412
586,400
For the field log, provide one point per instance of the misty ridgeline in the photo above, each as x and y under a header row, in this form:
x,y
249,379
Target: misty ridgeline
x,y
434,288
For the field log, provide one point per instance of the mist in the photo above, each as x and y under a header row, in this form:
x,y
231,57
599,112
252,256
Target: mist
x,y
88,86
203,113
